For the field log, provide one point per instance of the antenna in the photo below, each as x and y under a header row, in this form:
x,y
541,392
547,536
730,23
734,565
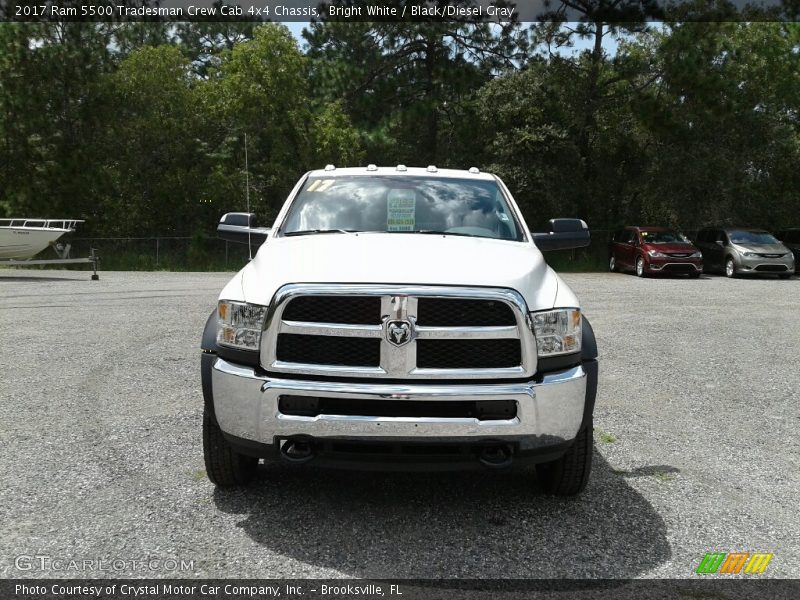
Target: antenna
x,y
247,196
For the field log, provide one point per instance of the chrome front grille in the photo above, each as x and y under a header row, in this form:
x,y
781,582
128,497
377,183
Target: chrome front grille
x,y
398,332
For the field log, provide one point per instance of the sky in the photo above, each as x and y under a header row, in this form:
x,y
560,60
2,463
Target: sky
x,y
609,44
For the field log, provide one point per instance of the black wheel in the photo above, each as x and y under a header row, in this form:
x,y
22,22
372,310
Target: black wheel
x,y
640,267
224,466
730,267
612,264
694,275
785,275
568,475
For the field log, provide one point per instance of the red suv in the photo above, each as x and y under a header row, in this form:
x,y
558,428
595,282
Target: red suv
x,y
649,250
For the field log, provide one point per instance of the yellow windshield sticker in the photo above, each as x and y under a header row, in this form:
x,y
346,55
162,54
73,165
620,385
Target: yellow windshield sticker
x,y
320,185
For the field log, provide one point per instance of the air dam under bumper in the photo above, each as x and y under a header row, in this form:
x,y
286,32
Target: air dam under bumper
x,y
549,412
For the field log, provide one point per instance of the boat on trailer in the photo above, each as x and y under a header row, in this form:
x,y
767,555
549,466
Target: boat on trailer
x,y
24,238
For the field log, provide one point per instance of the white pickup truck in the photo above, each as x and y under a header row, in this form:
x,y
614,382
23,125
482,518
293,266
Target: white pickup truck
x,y
399,318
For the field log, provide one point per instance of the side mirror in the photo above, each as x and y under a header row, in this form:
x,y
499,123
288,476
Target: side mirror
x,y
564,234
241,228
720,243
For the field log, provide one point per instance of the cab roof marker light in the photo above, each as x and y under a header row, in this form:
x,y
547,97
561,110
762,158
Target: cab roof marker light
x,y
371,167
474,170
330,167
401,168
432,169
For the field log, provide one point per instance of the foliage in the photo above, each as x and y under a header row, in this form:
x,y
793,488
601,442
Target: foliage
x,y
140,127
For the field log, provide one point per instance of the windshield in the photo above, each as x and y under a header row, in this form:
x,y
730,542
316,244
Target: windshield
x,y
402,204
752,237
663,237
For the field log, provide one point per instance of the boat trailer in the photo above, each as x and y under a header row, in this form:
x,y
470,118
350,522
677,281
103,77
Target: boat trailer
x,y
62,251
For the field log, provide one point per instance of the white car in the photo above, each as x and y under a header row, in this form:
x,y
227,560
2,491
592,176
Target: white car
x,y
399,318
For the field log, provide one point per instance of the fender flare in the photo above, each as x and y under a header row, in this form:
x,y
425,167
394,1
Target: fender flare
x,y
590,366
208,345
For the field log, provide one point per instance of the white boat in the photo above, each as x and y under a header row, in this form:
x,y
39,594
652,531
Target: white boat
x,y
24,238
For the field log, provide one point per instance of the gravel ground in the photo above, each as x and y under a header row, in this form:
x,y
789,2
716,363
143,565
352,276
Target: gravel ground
x,y
696,447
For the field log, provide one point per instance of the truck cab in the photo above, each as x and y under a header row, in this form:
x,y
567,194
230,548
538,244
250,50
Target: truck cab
x,y
399,318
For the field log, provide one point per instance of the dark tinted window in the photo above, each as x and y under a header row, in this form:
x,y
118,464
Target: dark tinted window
x,y
662,237
740,236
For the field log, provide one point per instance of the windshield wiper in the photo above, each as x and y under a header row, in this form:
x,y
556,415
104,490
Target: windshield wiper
x,y
435,232
312,231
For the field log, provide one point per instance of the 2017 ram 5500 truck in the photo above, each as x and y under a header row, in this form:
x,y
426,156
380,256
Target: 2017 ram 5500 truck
x,y
399,317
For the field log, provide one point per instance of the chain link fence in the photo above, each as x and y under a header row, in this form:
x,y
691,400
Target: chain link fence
x,y
211,254
163,253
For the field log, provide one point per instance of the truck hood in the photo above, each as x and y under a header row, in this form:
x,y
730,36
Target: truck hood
x,y
401,259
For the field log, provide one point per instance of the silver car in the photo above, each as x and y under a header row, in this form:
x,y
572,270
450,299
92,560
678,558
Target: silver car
x,y
737,251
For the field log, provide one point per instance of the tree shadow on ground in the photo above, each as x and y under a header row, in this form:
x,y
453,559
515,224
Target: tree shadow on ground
x,y
480,524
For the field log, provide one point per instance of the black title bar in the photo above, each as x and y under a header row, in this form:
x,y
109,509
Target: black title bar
x,y
468,11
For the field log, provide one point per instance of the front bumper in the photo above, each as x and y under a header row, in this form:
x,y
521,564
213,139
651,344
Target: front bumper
x,y
673,265
549,412
765,265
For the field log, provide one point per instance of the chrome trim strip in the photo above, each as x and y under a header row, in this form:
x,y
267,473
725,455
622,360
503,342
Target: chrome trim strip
x,y
398,302
680,264
389,420
333,329
462,333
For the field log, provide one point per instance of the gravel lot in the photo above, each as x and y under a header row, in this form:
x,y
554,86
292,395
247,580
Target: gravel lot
x,y
696,446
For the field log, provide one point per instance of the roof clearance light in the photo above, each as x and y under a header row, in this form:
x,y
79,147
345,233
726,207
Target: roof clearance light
x,y
372,167
330,167
474,170
432,169
401,168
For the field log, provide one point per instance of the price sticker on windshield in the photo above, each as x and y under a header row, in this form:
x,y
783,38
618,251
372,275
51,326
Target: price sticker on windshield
x,y
401,210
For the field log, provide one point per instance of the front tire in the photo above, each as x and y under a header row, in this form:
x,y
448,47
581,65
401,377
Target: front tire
x,y
224,466
730,268
569,475
640,267
785,276
612,264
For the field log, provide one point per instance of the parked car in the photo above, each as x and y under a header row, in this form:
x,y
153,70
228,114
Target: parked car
x,y
738,251
651,250
791,239
402,316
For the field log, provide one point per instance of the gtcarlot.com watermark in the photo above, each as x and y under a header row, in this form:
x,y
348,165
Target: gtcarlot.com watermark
x,y
49,563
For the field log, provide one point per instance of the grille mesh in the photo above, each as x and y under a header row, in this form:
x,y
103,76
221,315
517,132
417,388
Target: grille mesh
x,y
466,354
455,312
328,350
351,310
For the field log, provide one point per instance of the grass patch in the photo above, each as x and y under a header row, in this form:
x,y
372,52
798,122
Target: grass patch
x,y
605,436
567,262
661,476
199,475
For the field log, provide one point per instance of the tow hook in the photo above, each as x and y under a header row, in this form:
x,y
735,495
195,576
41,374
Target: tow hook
x,y
297,451
496,456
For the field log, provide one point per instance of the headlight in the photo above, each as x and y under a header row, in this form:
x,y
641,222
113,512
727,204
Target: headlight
x,y
656,254
557,331
696,255
750,254
240,324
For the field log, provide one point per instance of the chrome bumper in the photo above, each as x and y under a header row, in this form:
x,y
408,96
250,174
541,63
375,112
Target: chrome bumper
x,y
548,413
